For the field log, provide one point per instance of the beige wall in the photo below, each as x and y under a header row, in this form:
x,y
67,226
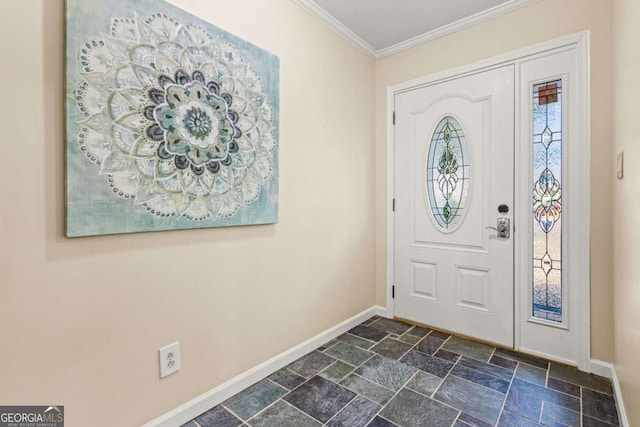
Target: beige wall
x,y
626,202
81,320
543,21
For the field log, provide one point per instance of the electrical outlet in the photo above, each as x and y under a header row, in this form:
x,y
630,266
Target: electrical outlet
x,y
169,359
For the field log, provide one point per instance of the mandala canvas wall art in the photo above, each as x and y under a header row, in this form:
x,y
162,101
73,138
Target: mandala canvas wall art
x,y
172,123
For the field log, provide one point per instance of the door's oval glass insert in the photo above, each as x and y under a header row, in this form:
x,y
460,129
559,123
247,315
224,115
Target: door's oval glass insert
x,y
547,201
447,174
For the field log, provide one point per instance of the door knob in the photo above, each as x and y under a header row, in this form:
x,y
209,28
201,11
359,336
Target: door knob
x,y
502,228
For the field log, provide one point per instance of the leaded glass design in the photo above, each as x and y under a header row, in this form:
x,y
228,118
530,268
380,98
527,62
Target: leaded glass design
x,y
448,174
547,201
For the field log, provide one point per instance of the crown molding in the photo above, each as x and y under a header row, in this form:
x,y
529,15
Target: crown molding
x,y
328,19
461,24
337,26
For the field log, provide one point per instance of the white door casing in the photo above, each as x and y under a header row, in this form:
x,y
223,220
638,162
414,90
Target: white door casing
x,y
570,342
458,279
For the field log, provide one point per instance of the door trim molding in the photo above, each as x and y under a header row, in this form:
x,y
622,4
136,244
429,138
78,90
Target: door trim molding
x,y
578,41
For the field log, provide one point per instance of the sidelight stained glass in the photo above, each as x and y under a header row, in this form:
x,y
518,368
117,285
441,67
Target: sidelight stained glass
x,y
547,201
448,174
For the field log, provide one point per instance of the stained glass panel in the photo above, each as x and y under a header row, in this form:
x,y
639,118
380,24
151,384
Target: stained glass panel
x,y
547,201
447,174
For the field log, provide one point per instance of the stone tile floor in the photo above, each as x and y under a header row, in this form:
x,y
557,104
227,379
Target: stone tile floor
x,y
385,373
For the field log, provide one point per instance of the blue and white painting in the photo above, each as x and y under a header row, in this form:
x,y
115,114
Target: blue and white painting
x,y
172,123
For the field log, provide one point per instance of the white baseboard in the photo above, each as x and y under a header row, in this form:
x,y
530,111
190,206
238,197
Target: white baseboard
x,y
606,369
383,312
208,400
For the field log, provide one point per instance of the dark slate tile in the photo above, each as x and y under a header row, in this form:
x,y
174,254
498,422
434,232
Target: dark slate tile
x,y
218,417
557,414
574,376
521,357
409,339
189,424
337,371
430,364
349,354
600,406
440,335
523,404
468,348
592,422
546,394
447,355
480,378
371,320
358,413
254,399
509,419
368,332
386,372
320,398
327,345
564,387
461,424
479,402
287,379
417,331
486,368
355,340
531,374
473,421
424,383
429,345
391,326
283,415
380,422
391,348
503,363
410,409
368,389
311,364
551,423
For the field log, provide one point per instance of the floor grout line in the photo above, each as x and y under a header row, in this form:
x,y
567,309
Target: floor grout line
x,y
394,395
233,413
344,407
506,395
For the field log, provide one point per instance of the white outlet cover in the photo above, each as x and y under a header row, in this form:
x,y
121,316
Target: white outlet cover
x,y
169,357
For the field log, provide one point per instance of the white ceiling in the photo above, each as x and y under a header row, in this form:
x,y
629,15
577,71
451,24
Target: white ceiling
x,y
384,27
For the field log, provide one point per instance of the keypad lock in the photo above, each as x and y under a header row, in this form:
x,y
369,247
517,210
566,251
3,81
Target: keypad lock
x,y
503,228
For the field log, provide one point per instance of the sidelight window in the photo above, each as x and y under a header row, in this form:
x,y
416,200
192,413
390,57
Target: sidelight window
x,y
547,201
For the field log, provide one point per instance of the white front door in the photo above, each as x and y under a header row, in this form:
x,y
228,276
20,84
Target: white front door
x,y
454,143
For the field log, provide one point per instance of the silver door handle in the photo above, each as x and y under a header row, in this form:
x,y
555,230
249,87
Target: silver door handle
x,y
503,228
